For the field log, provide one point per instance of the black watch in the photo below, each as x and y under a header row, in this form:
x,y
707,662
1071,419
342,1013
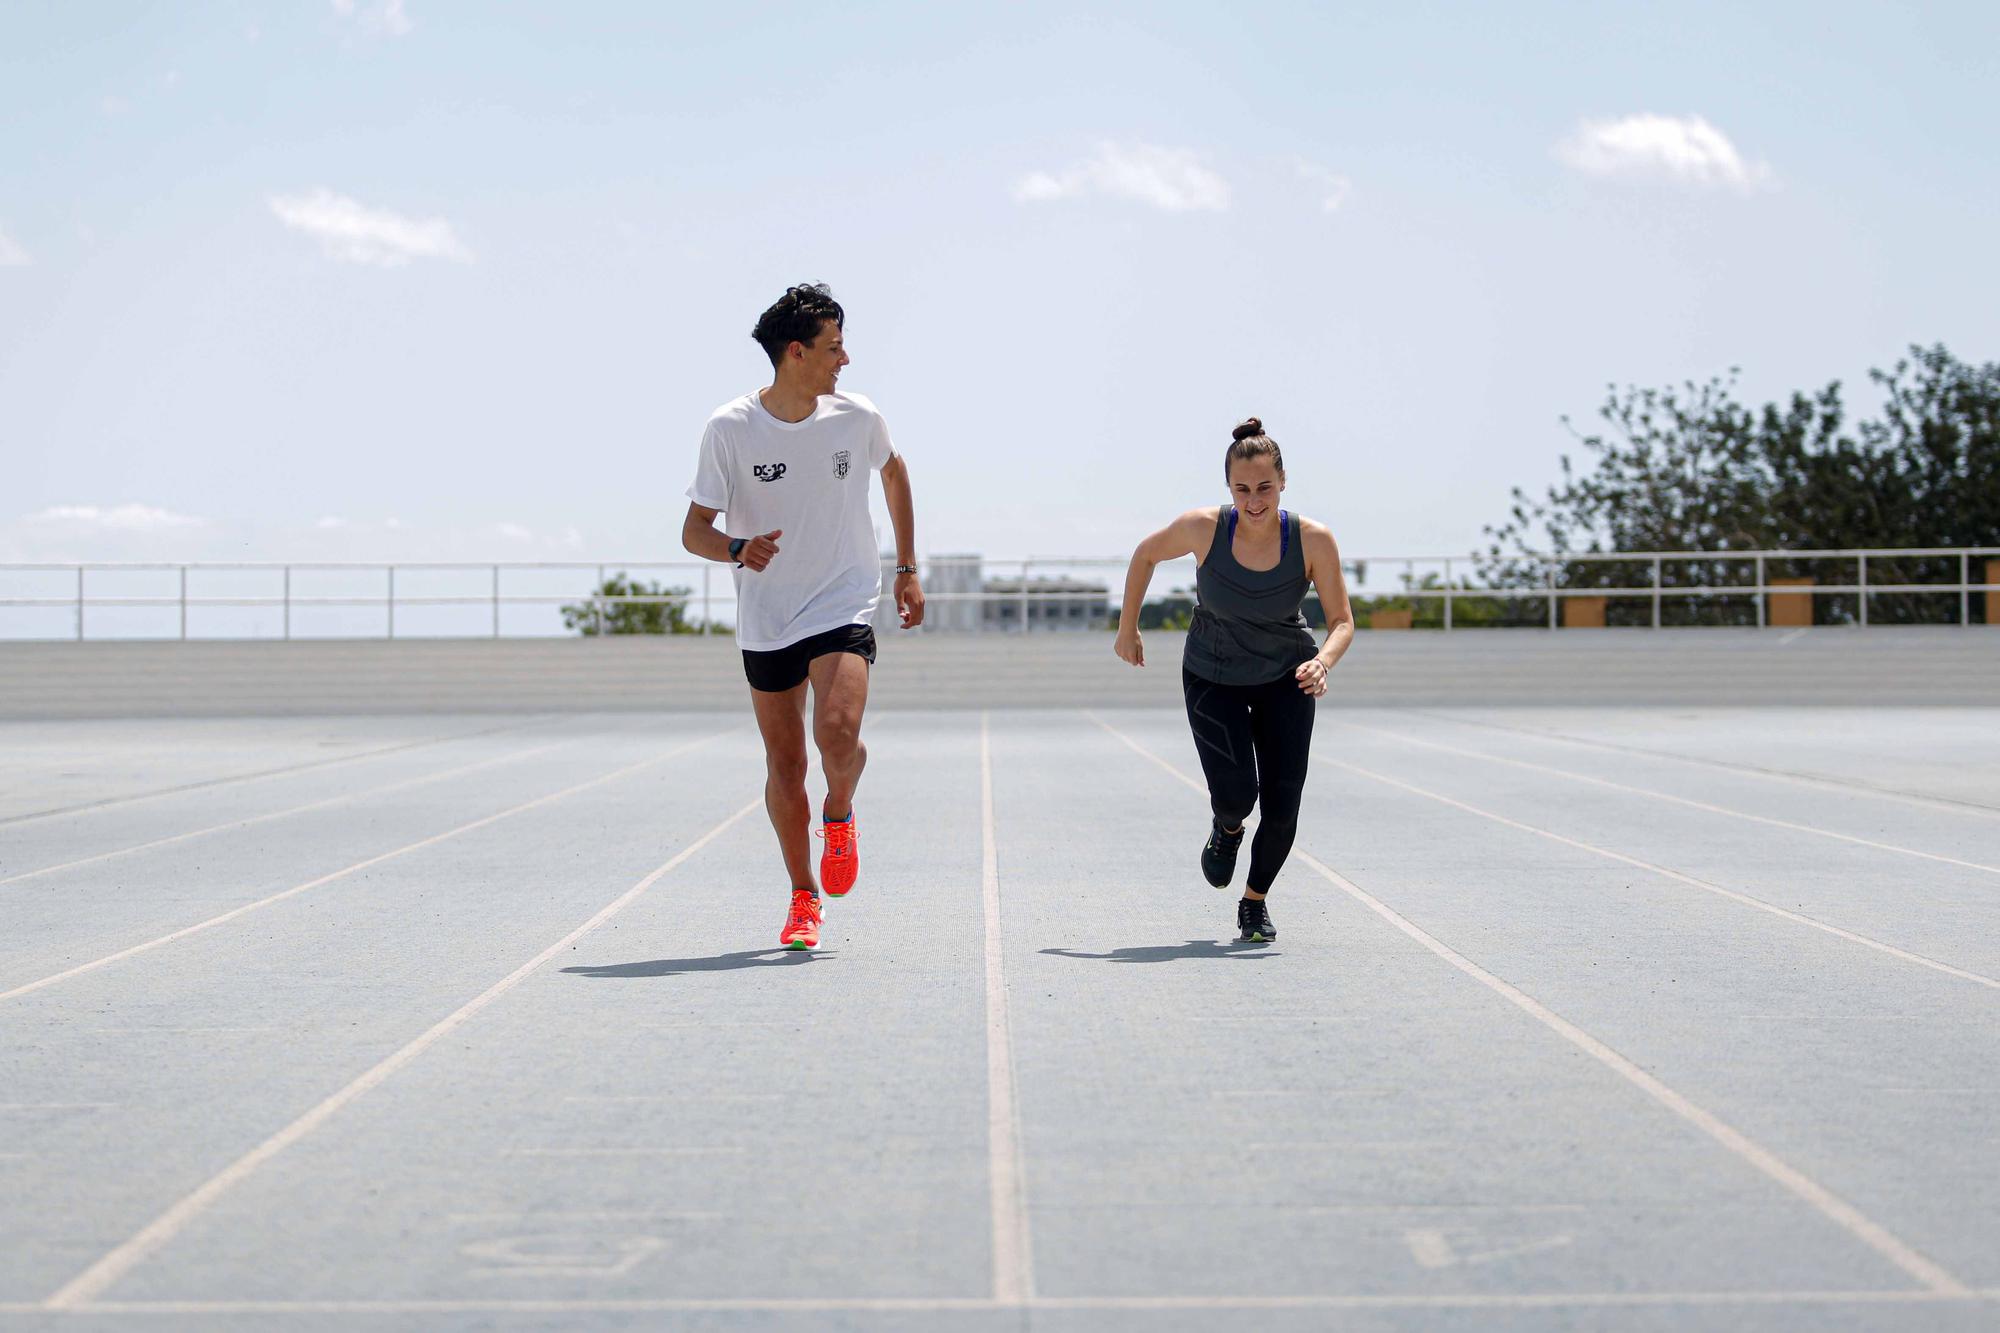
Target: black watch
x,y
736,545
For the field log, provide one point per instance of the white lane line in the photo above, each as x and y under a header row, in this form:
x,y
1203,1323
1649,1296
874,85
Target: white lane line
x,y
1835,1209
690,1095
1932,1275
87,1285
1260,1020
1013,1251
129,1031
1742,770
293,810
1334,1145
630,1215
941,1305
1651,794
1798,633
623,1152
333,762
1799,918
247,908
1317,1094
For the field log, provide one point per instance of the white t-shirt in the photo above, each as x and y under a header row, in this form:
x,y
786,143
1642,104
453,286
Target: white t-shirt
x,y
809,478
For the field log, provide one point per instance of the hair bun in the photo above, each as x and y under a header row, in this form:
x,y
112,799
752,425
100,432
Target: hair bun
x,y
1251,427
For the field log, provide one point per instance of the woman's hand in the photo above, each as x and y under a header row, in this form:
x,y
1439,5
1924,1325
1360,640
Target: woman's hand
x,y
1312,676
1128,646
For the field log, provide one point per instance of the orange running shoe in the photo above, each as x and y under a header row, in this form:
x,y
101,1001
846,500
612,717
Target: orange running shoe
x,y
802,923
841,861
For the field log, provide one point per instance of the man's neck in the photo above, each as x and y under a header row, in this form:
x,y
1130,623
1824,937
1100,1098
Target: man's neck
x,y
788,402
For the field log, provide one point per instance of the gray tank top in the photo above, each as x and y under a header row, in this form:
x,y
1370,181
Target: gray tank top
x,y
1247,627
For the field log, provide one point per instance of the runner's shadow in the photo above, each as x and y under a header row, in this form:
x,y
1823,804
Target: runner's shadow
x,y
1171,953
724,962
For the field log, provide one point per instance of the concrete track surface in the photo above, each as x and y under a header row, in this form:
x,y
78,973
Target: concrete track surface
x,y
1617,1018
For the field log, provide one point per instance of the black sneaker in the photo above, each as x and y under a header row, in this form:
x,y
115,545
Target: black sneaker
x,y
1253,920
1218,855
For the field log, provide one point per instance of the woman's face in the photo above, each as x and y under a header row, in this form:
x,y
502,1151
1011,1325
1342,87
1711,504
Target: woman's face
x,y
1254,486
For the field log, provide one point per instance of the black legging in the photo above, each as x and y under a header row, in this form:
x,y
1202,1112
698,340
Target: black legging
x,y
1254,740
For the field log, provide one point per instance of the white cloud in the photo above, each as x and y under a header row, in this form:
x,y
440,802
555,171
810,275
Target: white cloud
x,y
331,523
11,255
1170,179
1333,188
386,17
114,518
348,231
1681,148
569,539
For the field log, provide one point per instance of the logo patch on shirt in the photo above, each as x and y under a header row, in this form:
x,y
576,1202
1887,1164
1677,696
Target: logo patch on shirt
x,y
767,471
840,458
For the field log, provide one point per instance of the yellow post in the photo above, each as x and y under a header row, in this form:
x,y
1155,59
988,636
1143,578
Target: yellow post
x,y
1583,612
1791,609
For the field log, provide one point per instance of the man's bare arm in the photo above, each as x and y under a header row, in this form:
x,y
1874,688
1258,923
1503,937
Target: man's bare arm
x,y
700,536
903,518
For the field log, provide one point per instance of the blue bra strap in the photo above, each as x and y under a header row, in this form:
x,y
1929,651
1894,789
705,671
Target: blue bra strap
x,y
1284,531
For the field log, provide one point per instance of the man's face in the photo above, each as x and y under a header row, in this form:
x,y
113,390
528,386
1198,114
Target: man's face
x,y
819,361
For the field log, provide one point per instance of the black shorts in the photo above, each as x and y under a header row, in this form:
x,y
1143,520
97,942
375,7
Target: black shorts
x,y
784,668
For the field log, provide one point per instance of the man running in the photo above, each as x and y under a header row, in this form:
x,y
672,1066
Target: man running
x,y
789,464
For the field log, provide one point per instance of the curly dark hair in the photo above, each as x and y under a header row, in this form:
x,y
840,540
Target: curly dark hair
x,y
796,317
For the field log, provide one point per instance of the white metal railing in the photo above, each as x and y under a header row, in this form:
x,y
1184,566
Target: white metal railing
x,y
1094,583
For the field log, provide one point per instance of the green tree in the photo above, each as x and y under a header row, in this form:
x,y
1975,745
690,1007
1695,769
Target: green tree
x,y
666,615
1693,469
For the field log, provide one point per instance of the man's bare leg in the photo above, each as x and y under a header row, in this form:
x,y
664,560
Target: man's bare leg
x,y
840,696
781,718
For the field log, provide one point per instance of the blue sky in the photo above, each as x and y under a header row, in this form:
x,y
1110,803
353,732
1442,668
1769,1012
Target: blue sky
x,y
448,280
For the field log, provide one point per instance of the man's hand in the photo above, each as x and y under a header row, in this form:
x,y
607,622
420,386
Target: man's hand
x,y
1129,646
909,600
758,553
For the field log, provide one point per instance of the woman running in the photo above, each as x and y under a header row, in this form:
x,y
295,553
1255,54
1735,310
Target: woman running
x,y
1250,670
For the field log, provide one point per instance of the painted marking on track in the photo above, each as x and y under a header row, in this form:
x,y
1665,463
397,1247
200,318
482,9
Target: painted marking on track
x,y
1260,1020
1798,633
1443,1247
1013,1250
1745,770
622,1152
691,1095
310,884
553,1215
1933,1276
1336,1145
1651,794
205,785
1678,877
93,1281
942,1305
292,810
129,1031
1524,1208
561,1255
